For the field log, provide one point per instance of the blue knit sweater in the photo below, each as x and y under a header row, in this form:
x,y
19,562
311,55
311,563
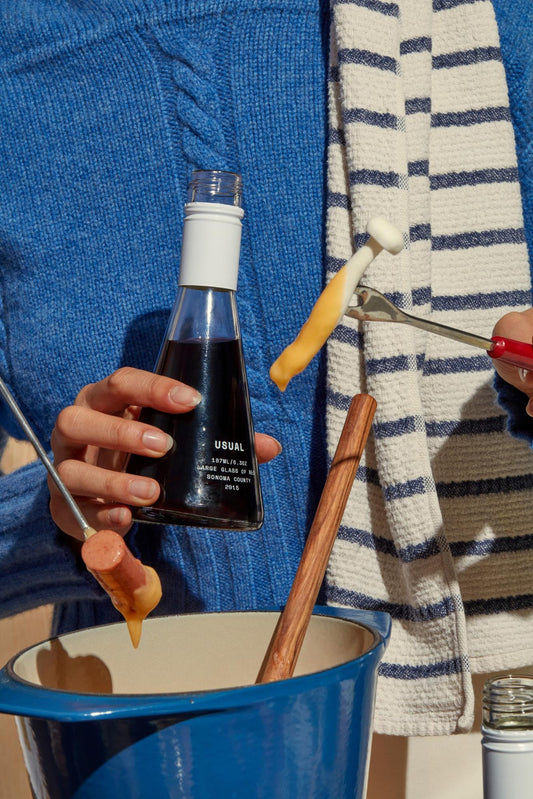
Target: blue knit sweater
x,y
104,111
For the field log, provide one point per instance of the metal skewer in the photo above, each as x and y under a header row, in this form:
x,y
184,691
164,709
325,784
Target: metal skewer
x,y
69,499
375,307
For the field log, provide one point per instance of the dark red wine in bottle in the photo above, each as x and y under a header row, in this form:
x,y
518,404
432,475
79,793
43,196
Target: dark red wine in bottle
x,y
209,477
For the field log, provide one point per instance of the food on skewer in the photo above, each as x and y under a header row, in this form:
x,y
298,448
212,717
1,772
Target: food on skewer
x,y
332,303
134,589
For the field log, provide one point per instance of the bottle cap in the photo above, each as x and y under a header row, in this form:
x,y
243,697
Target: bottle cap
x,y
211,246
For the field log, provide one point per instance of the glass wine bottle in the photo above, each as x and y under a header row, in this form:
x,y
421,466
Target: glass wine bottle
x,y
210,477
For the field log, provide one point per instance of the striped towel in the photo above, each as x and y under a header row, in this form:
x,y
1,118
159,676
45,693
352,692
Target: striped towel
x,y
438,526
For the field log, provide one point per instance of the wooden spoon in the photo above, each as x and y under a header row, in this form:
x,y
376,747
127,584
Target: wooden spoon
x,y
282,654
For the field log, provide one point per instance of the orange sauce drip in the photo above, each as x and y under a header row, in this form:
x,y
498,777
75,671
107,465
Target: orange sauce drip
x,y
145,599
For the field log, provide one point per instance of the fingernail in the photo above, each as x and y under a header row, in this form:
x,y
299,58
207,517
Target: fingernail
x,y
523,373
157,441
185,395
142,489
280,448
118,516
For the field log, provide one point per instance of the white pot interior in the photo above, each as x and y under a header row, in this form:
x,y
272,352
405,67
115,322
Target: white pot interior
x,y
180,654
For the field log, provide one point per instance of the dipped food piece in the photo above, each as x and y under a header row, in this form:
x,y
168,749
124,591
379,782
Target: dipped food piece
x,y
333,302
134,589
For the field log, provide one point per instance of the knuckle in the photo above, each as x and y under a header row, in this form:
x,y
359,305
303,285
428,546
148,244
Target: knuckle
x,y
157,388
53,439
132,434
509,321
56,508
61,424
117,379
117,432
65,470
110,483
66,421
81,397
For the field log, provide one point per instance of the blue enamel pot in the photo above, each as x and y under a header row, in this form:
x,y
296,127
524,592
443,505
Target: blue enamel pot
x,y
181,717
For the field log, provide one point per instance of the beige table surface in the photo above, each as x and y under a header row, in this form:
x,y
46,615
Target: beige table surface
x,y
17,633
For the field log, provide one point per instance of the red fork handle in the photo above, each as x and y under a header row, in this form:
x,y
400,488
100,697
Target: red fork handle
x,y
518,353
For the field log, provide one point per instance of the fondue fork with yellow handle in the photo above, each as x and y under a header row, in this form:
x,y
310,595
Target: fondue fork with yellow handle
x,y
134,589
372,306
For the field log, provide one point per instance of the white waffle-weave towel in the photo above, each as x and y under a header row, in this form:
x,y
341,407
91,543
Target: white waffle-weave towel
x,y
438,525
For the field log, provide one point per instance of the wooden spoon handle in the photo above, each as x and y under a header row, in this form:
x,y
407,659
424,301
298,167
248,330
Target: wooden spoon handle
x,y
282,654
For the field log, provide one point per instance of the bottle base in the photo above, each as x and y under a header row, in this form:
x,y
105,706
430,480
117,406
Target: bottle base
x,y
151,515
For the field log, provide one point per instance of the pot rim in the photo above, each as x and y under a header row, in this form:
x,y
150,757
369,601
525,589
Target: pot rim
x,y
21,698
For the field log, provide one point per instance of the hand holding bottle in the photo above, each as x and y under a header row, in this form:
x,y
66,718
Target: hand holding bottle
x,y
518,326
93,437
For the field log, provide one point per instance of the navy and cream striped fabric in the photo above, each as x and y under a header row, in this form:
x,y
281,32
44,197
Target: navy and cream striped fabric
x,y
438,527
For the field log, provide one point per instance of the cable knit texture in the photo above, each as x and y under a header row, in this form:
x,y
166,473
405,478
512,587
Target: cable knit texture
x,y
197,103
105,109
